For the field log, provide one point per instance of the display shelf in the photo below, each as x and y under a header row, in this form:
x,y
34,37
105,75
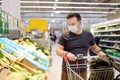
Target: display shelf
x,y
107,23
109,33
116,59
107,30
114,55
109,47
109,41
10,56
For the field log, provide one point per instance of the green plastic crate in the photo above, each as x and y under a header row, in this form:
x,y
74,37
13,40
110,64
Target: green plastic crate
x,y
6,31
6,25
1,30
112,53
1,23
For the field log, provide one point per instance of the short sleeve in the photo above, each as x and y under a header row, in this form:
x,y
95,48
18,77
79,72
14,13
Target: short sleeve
x,y
92,41
62,41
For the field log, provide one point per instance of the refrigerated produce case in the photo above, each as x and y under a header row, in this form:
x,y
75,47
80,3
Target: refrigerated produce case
x,y
21,55
19,50
15,70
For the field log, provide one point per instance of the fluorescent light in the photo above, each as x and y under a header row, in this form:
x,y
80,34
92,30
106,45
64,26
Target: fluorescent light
x,y
56,0
54,8
52,14
48,15
49,26
53,20
80,3
55,5
57,12
63,7
85,12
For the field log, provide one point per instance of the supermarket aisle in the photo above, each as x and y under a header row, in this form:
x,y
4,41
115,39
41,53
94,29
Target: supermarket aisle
x,y
55,69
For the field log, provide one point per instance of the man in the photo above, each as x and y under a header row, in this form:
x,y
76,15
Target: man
x,y
76,41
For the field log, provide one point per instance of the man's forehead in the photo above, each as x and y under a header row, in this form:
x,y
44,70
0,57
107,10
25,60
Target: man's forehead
x,y
72,20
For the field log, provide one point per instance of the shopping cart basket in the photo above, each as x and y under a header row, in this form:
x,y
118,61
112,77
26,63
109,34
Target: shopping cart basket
x,y
74,70
104,69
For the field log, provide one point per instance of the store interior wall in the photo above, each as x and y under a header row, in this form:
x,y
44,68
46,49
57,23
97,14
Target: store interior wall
x,y
12,8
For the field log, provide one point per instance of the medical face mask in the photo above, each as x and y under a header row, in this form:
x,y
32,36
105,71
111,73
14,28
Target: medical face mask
x,y
73,29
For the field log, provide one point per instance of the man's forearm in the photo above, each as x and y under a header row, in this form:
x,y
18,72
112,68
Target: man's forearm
x,y
96,49
60,52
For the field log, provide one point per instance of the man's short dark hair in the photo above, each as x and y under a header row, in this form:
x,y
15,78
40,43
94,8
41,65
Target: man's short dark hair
x,y
77,15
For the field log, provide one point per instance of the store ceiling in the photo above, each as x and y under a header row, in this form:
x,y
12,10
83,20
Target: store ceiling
x,y
55,7
57,10
60,8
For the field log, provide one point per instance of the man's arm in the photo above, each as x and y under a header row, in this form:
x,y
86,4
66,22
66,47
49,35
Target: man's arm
x,y
60,50
62,53
97,50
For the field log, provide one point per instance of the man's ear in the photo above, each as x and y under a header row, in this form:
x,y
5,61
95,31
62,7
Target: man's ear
x,y
80,22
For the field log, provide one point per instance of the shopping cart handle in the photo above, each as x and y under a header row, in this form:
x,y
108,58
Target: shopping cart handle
x,y
87,57
109,57
66,59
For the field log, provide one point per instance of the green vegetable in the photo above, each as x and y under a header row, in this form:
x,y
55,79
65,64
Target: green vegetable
x,y
1,55
38,77
14,54
2,46
5,60
18,67
39,47
27,39
16,76
39,60
44,64
47,52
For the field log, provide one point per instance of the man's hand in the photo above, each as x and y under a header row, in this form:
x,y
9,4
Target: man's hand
x,y
71,57
101,54
98,51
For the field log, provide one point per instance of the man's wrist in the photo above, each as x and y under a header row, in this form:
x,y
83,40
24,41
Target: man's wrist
x,y
99,51
66,53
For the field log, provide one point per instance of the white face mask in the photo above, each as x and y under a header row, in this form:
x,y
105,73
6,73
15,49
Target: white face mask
x,y
73,29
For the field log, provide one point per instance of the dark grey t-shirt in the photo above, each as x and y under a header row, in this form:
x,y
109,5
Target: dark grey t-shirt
x,y
76,43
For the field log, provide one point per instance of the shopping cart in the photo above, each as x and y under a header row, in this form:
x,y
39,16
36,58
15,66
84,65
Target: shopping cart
x,y
102,73
74,70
